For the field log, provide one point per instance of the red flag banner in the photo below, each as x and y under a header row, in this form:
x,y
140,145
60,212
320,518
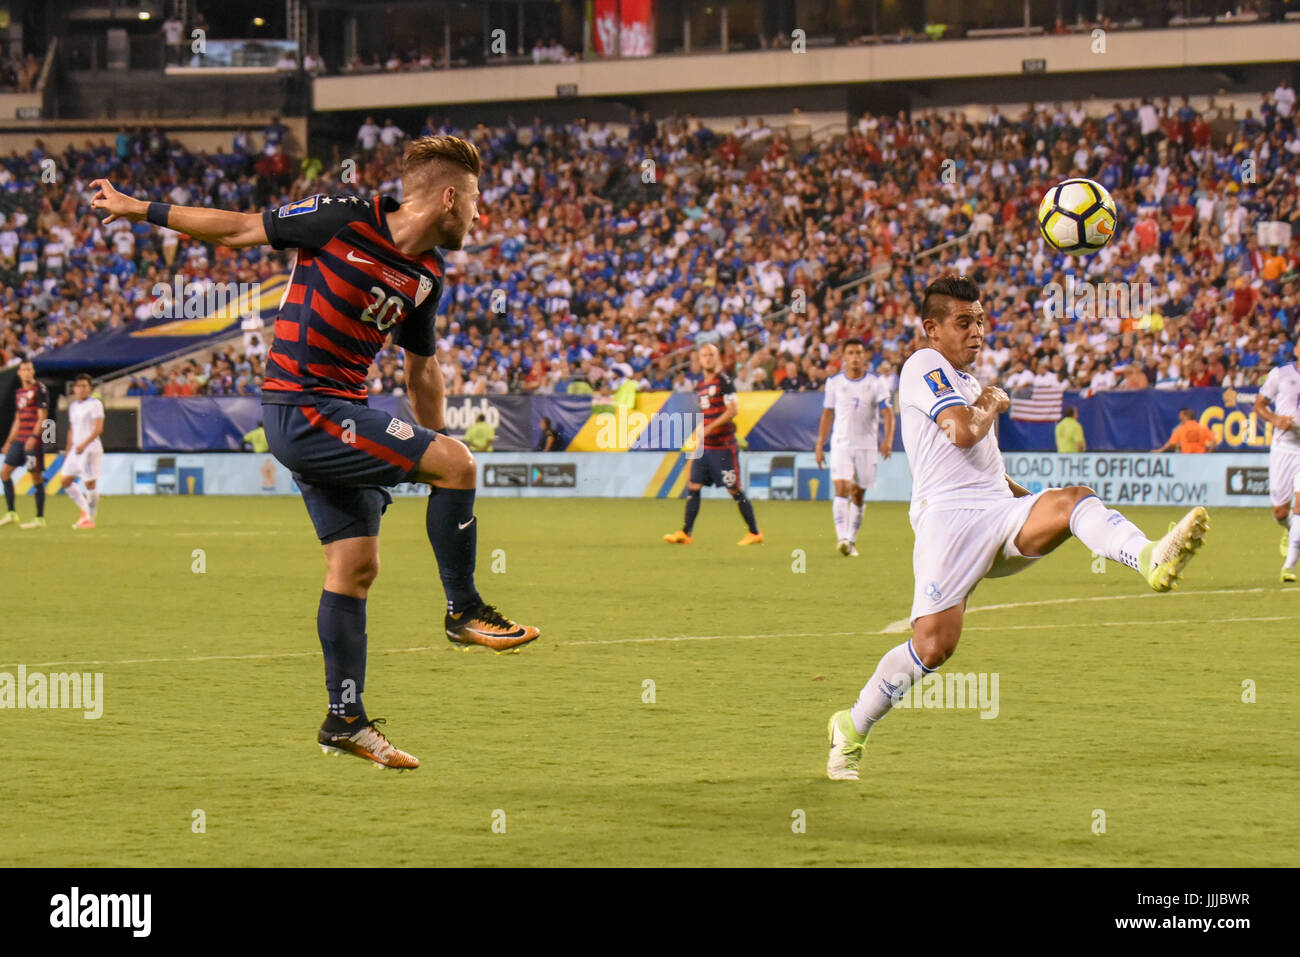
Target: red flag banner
x,y
623,28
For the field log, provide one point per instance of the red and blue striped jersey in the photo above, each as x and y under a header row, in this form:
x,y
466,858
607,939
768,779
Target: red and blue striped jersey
x,y
713,394
31,399
350,288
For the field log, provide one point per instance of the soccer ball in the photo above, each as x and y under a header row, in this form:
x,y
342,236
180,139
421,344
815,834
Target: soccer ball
x,y
1077,216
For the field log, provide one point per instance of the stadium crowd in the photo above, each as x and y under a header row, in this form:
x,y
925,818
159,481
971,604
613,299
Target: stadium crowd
x,y
603,258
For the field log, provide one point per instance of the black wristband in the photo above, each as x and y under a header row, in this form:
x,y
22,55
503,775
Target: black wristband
x,y
158,213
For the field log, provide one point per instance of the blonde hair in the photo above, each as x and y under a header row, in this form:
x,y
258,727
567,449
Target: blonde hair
x,y
435,156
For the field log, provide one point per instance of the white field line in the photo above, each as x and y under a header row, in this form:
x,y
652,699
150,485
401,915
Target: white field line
x,y
890,629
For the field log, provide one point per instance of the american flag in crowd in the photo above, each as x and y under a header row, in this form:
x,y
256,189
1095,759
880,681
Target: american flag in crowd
x,y
1041,405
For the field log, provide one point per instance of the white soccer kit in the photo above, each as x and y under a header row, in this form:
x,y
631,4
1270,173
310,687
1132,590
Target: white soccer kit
x,y
88,464
963,512
856,404
1282,389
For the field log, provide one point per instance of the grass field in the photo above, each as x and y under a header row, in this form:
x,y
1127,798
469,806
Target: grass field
x,y
1120,701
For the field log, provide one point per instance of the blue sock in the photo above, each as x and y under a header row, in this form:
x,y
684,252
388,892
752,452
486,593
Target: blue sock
x,y
692,510
40,499
9,495
341,625
453,533
746,510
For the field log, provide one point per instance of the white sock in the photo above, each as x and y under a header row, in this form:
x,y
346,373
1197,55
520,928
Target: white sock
x,y
1286,522
94,502
855,519
897,672
1107,532
840,510
1293,553
78,497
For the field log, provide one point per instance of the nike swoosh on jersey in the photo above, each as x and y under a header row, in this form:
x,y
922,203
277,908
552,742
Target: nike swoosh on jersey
x,y
354,258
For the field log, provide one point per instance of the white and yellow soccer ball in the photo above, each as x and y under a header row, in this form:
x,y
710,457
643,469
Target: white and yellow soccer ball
x,y
1077,216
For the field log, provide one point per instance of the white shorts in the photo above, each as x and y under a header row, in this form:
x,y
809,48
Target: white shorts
x,y
854,465
85,466
1283,475
957,547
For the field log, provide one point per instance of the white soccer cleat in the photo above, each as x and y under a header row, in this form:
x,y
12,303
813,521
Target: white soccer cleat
x,y
1163,561
846,748
853,550
843,548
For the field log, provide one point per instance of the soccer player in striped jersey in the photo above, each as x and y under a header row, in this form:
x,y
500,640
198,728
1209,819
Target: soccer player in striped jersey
x,y
24,446
718,461
365,270
971,521
849,411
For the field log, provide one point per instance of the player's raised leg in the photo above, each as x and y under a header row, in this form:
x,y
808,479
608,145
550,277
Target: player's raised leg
x,y
1059,513
449,469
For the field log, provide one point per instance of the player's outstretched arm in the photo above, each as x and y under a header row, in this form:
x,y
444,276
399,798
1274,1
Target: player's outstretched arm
x,y
221,226
966,425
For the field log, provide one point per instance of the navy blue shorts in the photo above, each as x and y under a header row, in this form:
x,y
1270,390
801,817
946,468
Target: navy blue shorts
x,y
16,455
342,455
717,467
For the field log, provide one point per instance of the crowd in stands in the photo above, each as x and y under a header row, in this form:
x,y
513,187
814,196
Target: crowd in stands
x,y
586,273
19,74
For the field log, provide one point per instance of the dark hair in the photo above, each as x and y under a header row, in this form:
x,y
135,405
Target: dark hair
x,y
854,341
1185,411
1070,412
84,377
961,288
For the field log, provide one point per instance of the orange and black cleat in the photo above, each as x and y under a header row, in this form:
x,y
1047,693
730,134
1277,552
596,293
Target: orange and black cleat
x,y
488,627
366,742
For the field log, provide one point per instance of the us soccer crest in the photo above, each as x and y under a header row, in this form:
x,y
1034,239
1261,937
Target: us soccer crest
x,y
400,429
423,290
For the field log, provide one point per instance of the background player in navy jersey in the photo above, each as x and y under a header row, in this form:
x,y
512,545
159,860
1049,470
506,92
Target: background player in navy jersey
x,y
24,446
719,460
365,270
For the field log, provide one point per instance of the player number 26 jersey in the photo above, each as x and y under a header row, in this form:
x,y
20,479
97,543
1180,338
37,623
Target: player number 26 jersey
x,y
944,475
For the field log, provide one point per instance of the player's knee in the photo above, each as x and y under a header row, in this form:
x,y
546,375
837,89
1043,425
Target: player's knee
x,y
1280,512
933,650
364,571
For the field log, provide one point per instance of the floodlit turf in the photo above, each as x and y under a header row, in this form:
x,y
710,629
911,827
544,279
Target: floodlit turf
x,y
214,689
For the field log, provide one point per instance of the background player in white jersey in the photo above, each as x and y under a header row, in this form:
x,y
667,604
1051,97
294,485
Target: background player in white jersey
x,y
852,399
84,456
971,521
1282,390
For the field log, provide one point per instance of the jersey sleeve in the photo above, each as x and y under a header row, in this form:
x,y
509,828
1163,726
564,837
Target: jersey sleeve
x,y
882,390
829,401
927,384
420,333
42,396
1269,389
727,389
309,223
96,410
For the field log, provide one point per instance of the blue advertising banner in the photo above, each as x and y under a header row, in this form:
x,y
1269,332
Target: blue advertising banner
x,y
568,414
1142,420
196,424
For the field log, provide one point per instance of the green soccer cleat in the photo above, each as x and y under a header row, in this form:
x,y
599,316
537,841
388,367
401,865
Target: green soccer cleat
x,y
34,523
1288,575
1283,549
1163,561
846,748
9,518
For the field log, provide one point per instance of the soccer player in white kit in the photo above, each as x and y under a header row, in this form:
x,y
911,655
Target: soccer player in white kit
x,y
971,521
1282,389
84,456
849,415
